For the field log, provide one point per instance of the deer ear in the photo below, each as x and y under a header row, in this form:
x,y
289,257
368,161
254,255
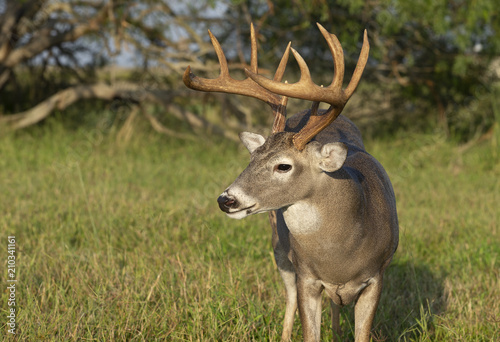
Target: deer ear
x,y
333,156
252,141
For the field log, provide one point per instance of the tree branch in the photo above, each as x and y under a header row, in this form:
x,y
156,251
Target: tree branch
x,y
127,91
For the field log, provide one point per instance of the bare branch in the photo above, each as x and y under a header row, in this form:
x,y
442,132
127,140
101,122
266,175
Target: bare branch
x,y
60,100
127,91
43,40
158,127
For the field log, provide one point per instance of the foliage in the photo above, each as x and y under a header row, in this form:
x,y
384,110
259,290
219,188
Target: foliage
x,y
431,61
49,45
124,241
438,52
55,53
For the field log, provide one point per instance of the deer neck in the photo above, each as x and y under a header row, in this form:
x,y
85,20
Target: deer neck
x,y
323,208
303,218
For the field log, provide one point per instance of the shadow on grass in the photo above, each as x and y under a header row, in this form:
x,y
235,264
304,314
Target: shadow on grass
x,y
412,296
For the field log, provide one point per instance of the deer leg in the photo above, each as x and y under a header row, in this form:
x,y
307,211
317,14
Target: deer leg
x,y
309,297
287,271
337,332
289,278
364,310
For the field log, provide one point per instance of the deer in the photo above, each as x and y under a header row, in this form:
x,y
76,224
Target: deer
x,y
331,204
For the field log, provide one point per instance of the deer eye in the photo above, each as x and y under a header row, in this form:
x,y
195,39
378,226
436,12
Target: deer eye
x,y
282,168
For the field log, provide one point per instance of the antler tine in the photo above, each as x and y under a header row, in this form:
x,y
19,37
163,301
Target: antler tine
x,y
253,54
282,66
194,82
224,69
280,113
360,66
338,56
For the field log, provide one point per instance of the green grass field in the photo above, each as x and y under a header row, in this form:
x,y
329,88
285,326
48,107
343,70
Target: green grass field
x,y
125,242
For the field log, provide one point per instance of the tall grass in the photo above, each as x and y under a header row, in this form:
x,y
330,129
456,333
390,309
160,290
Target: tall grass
x,y
124,241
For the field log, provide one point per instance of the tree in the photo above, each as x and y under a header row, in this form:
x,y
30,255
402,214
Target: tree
x,y
432,56
47,40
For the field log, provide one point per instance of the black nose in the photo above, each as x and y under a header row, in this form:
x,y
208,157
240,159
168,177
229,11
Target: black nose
x,y
226,203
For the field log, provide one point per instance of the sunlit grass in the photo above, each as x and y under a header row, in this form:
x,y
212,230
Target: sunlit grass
x,y
124,241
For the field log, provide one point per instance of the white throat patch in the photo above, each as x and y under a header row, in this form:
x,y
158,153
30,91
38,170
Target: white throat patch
x,y
302,218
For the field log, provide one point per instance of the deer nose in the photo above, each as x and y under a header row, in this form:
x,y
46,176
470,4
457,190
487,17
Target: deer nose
x,y
226,203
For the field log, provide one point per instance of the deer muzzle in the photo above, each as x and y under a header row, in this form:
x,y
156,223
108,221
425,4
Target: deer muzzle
x,y
226,203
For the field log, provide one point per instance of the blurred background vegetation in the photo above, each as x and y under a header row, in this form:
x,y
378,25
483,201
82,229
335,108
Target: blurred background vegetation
x,y
434,65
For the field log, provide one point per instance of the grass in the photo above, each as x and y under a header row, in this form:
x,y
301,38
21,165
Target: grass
x,y
124,241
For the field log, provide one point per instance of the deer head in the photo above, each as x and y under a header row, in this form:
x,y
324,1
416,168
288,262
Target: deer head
x,y
284,161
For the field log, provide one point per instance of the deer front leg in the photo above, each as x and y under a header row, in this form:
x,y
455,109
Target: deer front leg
x,y
287,272
309,296
364,310
289,279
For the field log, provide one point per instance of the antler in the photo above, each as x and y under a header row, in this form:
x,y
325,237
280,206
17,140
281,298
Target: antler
x,y
306,89
226,84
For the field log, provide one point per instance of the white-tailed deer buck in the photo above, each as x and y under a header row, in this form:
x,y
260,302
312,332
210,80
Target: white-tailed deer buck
x,y
332,207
